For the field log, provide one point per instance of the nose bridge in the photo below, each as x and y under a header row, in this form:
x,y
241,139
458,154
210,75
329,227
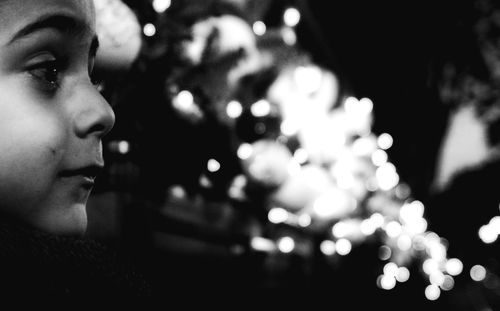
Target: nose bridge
x,y
94,115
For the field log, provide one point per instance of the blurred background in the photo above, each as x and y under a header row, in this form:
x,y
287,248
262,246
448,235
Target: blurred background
x,y
304,151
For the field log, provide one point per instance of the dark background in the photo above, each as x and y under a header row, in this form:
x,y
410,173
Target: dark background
x,y
383,50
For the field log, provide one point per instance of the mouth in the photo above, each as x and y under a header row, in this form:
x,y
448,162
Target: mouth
x,y
87,174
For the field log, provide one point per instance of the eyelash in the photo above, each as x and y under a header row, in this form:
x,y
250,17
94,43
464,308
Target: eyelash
x,y
48,74
95,80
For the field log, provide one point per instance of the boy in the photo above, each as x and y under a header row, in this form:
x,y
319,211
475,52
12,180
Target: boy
x,y
52,120
52,117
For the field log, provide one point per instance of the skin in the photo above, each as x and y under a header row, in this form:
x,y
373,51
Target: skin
x,y
52,117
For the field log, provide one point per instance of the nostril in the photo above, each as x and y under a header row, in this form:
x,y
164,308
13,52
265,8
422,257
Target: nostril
x,y
101,129
96,119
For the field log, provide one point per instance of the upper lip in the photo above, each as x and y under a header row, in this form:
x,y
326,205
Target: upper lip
x,y
87,171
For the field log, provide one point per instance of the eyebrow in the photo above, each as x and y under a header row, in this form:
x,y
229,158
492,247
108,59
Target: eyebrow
x,y
63,23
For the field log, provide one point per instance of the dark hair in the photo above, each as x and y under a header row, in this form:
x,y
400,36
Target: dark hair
x,y
466,68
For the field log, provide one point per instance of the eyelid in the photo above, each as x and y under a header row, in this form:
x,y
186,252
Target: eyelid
x,y
40,58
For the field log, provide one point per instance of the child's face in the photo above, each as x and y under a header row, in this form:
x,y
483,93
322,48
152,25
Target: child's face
x,y
52,117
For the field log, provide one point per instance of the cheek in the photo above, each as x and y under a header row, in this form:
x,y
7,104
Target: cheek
x,y
32,145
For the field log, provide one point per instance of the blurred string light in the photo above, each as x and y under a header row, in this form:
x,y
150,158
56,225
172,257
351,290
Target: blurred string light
x,y
387,176
402,191
379,157
289,127
291,17
341,229
448,283
259,28
244,151
261,108
432,292
403,274
404,242
301,155
177,192
454,266
293,167
184,103
403,233
343,247
120,146
384,252
385,141
213,165
393,229
357,107
408,230
367,227
123,147
386,282
391,269
205,182
278,215
237,189
286,244
489,233
328,247
308,79
289,36
149,30
364,146
234,109
262,244
161,6
478,273
304,220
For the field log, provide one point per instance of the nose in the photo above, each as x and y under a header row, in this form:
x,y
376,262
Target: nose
x,y
95,116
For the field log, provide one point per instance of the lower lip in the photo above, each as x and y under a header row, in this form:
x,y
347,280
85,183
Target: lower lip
x,y
85,181
88,181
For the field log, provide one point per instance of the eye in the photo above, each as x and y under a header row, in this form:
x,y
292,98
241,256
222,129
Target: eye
x,y
95,78
47,74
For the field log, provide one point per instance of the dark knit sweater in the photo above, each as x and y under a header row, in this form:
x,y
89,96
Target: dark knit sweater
x,y
37,264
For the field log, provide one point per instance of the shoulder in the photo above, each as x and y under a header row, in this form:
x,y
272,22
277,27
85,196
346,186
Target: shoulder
x,y
36,264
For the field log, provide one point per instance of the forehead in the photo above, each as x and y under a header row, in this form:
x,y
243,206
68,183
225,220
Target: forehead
x,y
16,13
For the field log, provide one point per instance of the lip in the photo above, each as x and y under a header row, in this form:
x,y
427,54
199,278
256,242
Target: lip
x,y
87,174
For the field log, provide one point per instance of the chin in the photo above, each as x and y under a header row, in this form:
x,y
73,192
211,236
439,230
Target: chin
x,y
70,221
